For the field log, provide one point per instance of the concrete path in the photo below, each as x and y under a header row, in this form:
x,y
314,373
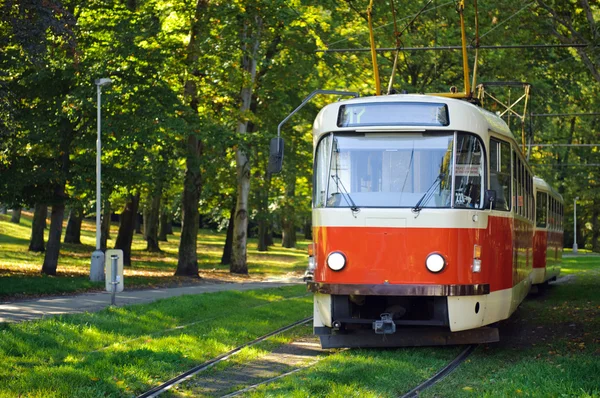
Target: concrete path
x,y
27,310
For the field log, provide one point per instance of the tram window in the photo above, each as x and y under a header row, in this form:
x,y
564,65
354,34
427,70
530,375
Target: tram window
x,y
542,210
400,170
500,173
530,214
468,172
514,176
551,219
519,187
395,170
532,201
321,167
525,191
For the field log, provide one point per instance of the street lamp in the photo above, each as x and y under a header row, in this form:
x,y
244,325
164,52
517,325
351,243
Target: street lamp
x,y
575,225
97,266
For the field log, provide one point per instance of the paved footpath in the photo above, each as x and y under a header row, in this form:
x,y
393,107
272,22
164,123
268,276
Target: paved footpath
x,y
26,310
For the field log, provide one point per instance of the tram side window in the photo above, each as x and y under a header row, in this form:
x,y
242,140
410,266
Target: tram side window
x,y
551,218
500,173
468,172
321,173
542,210
519,174
530,196
515,185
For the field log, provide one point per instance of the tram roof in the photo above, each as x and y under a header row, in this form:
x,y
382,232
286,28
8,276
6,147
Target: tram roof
x,y
540,184
463,116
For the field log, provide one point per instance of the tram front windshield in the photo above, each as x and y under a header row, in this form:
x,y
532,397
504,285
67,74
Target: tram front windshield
x,y
414,170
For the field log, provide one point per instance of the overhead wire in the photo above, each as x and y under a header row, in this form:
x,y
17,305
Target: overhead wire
x,y
398,35
387,24
506,20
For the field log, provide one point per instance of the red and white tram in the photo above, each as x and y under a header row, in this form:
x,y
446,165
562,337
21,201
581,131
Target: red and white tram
x,y
423,222
548,240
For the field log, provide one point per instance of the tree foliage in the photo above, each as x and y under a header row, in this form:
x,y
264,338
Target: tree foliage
x,y
197,84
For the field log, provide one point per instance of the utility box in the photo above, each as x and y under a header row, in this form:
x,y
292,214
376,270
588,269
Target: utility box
x,y
108,269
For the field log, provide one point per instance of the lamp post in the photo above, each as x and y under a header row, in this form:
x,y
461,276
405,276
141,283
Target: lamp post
x,y
97,266
575,225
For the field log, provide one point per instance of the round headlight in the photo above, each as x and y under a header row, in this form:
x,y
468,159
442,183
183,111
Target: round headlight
x,y
435,262
336,261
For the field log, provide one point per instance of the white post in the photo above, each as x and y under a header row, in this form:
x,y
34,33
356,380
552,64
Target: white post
x,y
575,225
97,266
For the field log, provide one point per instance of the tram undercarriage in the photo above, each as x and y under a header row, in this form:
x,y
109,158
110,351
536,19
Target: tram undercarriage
x,y
392,321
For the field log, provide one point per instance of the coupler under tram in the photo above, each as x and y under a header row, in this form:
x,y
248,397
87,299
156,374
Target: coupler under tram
x,y
354,320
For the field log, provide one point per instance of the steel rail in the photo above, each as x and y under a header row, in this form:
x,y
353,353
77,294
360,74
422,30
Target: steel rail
x,y
210,363
254,386
439,376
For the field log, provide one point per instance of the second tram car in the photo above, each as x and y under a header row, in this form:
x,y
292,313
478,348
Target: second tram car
x,y
548,240
423,220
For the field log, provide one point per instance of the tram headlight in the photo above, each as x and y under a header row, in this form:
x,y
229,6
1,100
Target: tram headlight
x,y
435,262
336,261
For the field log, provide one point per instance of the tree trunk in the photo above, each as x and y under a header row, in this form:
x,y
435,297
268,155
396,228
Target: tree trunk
x,y
38,226
163,229
250,39
73,232
226,257
263,229
263,214
3,209
187,263
595,229
105,225
58,201
151,223
169,226
269,237
308,229
138,221
126,227
16,215
289,232
289,212
53,249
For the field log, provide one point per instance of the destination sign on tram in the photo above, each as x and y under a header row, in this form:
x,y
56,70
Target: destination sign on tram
x,y
393,114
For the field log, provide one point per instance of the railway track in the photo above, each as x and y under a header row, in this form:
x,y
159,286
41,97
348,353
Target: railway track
x,y
439,376
208,364
154,392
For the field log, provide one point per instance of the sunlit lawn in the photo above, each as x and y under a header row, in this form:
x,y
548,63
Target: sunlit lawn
x,y
549,348
125,351
20,269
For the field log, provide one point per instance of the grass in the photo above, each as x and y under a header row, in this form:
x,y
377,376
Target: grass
x,y
20,269
125,351
549,348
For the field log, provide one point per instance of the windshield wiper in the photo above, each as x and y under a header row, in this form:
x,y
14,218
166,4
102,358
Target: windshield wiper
x,y
428,194
345,193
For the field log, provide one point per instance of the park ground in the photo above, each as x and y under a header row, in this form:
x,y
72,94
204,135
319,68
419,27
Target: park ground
x,y
20,275
549,347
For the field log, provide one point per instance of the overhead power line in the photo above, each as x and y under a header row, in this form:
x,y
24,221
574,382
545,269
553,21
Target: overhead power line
x,y
445,48
564,114
564,145
566,165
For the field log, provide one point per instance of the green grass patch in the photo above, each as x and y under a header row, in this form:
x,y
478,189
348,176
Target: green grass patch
x,y
125,351
549,348
20,269
363,373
